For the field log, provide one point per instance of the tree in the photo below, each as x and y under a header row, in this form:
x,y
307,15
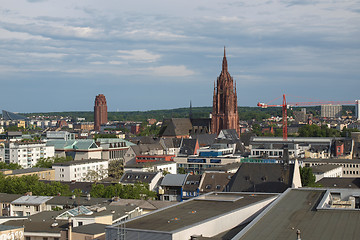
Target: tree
x,y
346,132
181,170
307,177
96,175
316,131
48,162
116,169
11,166
31,183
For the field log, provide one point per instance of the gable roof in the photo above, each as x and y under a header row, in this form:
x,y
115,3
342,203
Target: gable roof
x,y
7,198
214,182
192,182
205,139
31,200
134,177
145,148
80,144
167,143
176,127
174,180
261,177
188,146
229,134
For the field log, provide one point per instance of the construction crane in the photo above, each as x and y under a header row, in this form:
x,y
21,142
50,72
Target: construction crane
x,y
285,106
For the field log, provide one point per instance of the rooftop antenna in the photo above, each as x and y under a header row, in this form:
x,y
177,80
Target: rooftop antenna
x,y
190,111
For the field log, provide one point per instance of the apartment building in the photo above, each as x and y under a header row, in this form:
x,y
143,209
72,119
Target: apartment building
x,y
26,154
79,170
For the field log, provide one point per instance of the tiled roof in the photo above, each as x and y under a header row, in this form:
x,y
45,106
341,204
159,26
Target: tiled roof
x,y
261,177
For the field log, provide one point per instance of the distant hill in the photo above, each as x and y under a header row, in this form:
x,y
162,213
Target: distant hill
x,y
245,113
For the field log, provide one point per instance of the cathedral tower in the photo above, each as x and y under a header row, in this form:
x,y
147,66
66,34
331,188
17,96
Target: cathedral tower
x,y
100,112
225,111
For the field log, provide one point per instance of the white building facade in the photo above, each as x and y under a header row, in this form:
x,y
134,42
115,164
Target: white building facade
x,y
81,170
331,111
26,154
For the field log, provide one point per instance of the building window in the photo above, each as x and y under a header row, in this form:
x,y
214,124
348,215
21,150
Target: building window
x,y
80,223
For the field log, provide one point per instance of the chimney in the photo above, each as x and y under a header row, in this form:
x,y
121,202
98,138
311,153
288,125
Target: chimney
x,y
70,230
88,197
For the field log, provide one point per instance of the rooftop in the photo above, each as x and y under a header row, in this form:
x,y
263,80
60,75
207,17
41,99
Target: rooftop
x,y
6,228
194,211
24,171
79,162
296,209
149,164
31,200
324,168
332,160
133,177
90,229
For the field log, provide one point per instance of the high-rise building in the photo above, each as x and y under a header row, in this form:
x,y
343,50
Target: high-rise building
x,y
100,112
331,111
225,111
357,110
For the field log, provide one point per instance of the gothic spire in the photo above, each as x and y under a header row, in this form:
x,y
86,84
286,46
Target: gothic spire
x,y
190,111
224,63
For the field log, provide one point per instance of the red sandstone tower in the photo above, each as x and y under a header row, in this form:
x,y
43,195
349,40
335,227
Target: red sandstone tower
x,y
225,111
100,112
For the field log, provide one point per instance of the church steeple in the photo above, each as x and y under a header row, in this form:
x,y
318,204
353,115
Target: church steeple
x,y
224,63
225,112
190,111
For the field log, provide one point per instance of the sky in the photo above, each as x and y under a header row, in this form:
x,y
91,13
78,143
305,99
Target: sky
x,y
161,54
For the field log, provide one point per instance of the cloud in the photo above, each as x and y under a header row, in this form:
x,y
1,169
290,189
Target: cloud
x,y
138,55
35,1
54,30
172,71
153,34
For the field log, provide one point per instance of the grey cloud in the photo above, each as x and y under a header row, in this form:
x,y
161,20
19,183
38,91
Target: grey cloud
x,y
36,1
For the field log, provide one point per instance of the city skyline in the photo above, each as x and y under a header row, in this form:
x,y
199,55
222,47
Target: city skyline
x,y
57,56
